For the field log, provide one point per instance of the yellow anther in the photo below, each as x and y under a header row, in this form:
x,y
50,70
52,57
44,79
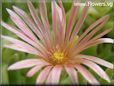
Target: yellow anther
x,y
58,56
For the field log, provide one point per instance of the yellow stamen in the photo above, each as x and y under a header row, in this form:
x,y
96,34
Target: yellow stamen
x,y
58,56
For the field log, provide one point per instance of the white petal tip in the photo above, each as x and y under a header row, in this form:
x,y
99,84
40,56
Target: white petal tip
x,y
8,10
10,68
28,75
107,40
14,7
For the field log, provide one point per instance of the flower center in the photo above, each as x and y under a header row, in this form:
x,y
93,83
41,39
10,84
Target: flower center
x,y
58,56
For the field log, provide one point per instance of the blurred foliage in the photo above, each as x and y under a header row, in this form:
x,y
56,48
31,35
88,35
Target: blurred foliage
x,y
104,51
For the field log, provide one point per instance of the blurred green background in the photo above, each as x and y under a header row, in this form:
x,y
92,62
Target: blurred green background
x,y
104,51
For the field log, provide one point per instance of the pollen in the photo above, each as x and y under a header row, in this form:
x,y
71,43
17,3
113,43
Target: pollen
x,y
58,56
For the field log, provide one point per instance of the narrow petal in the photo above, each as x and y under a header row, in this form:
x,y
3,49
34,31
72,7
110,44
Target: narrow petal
x,y
43,75
38,45
44,17
98,61
22,26
19,48
54,75
63,17
17,32
24,64
28,20
57,17
39,24
20,44
54,19
106,40
81,20
96,68
88,76
92,26
73,14
96,42
72,74
43,14
35,69
92,33
35,17
101,34
84,41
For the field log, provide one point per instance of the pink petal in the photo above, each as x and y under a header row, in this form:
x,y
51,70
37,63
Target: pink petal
x,y
20,23
92,26
35,17
54,75
24,64
81,20
101,34
18,33
28,20
63,16
92,33
20,45
43,75
39,24
90,78
57,17
96,42
35,69
98,61
96,68
44,17
24,37
43,14
73,14
72,73
19,48
54,19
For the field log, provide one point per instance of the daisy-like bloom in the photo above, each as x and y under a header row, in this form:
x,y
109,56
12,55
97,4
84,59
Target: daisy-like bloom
x,y
57,49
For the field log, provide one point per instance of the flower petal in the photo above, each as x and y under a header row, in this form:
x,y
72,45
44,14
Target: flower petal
x,y
28,20
96,42
96,68
72,73
43,14
19,48
35,17
24,64
92,26
90,78
54,75
57,17
98,61
38,45
22,26
63,17
44,17
106,40
22,46
73,14
35,69
39,24
43,75
92,33
81,20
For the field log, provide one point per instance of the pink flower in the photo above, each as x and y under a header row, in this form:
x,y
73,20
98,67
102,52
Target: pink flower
x,y
57,49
